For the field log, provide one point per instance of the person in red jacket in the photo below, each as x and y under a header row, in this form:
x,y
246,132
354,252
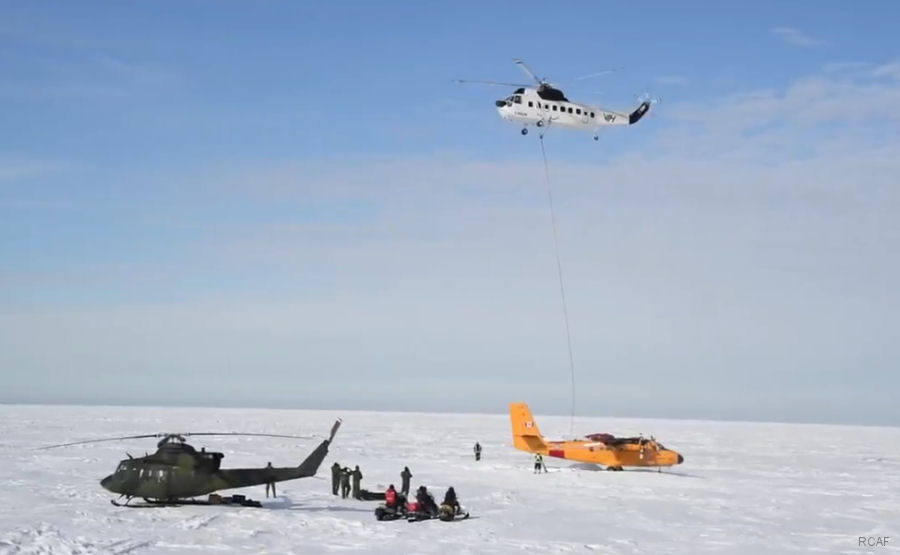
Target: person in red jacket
x,y
390,496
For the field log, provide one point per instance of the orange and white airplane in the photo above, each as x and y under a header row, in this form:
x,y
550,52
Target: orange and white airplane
x,y
604,449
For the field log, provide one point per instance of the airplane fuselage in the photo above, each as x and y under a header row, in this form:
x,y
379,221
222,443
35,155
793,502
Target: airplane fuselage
x,y
611,452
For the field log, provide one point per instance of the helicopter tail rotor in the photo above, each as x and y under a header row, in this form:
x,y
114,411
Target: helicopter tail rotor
x,y
646,102
648,98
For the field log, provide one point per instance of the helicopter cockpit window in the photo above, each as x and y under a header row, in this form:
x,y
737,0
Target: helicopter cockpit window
x,y
517,99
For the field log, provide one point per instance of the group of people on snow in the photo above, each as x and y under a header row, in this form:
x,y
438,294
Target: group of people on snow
x,y
424,499
347,480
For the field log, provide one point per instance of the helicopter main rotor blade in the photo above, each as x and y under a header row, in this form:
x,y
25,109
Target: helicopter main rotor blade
x,y
490,83
142,436
184,434
243,434
599,73
528,72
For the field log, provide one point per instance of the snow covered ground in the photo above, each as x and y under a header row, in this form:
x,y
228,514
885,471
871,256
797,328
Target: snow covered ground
x,y
744,487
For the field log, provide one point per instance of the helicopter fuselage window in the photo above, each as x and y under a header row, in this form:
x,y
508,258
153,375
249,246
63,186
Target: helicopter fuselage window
x,y
517,99
592,114
554,107
530,104
570,109
578,111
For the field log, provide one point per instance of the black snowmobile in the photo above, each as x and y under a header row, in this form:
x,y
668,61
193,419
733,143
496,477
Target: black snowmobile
x,y
398,510
366,495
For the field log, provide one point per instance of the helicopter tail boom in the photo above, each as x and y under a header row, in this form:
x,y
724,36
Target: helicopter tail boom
x,y
243,477
639,112
312,463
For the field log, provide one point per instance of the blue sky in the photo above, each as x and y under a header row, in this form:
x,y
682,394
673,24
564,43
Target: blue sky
x,y
293,204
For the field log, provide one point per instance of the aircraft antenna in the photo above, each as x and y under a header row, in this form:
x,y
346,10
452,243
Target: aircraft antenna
x,y
562,289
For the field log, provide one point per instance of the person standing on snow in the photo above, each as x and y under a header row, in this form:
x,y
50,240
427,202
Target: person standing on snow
x,y
335,478
271,480
405,476
477,451
345,482
357,477
539,463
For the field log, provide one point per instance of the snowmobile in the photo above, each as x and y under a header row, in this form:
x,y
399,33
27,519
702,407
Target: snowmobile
x,y
449,512
416,511
398,510
366,495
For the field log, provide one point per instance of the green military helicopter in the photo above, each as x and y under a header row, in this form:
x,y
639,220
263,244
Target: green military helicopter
x,y
177,472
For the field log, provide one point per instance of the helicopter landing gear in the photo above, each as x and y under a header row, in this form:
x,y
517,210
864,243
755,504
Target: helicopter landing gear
x,y
524,130
614,468
540,123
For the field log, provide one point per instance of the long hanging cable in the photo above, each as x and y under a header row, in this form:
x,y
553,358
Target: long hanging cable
x,y
562,289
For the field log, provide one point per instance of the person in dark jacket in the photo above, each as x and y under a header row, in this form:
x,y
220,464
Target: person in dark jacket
x,y
345,482
357,478
335,478
405,476
477,451
450,499
426,501
271,482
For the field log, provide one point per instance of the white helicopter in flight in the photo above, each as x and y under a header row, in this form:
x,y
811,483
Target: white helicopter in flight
x,y
546,105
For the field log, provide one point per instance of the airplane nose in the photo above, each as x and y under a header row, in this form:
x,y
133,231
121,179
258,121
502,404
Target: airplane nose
x,y
680,459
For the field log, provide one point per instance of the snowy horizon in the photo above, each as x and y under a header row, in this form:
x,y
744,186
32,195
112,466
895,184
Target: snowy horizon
x,y
449,412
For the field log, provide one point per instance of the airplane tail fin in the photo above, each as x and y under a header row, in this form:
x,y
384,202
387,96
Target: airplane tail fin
x,y
526,435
